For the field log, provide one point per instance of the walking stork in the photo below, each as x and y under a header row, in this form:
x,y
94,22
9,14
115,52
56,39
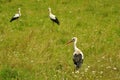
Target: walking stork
x,y
16,16
53,17
77,55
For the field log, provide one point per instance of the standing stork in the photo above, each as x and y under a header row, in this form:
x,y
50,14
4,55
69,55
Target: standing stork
x,y
77,55
16,16
53,17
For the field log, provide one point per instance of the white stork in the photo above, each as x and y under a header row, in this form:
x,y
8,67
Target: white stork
x,y
16,16
77,55
53,17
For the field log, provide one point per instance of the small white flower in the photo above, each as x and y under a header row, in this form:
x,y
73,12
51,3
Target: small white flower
x,y
32,61
114,68
55,75
93,72
101,72
88,66
72,72
58,71
98,61
103,57
108,67
86,69
76,71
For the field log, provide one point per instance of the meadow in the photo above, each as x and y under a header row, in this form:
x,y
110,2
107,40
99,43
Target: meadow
x,y
32,48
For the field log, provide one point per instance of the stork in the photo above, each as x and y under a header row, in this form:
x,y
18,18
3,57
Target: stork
x,y
53,17
77,54
16,16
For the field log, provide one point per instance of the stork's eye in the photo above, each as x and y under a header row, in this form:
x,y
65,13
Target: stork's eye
x,y
73,39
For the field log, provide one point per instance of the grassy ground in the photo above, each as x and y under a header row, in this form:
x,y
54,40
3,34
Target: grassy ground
x,y
32,48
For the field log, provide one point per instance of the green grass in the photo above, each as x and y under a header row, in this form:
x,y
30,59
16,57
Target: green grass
x,y
31,48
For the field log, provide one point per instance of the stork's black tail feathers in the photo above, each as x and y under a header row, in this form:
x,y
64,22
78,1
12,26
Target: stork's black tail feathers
x,y
12,19
78,65
56,20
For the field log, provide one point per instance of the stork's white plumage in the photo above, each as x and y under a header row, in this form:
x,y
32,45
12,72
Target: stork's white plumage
x,y
16,16
77,55
53,17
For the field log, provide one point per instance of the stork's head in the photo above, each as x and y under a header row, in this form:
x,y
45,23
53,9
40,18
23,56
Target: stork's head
x,y
49,9
19,9
74,39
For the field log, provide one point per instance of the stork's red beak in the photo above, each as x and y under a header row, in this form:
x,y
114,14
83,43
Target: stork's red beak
x,y
69,42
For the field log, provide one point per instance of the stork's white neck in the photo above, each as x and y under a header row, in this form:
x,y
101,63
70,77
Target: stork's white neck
x,y
75,47
50,11
19,12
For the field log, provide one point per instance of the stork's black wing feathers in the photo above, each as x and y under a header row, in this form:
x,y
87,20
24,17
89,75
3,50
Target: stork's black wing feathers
x,y
77,59
13,18
56,20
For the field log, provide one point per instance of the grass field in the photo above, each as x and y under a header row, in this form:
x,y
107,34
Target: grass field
x,y
32,48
